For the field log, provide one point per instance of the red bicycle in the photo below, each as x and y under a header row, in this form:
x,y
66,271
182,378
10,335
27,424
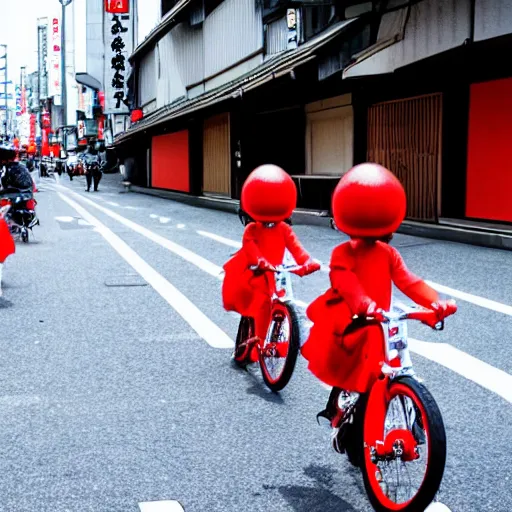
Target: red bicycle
x,y
396,433
279,350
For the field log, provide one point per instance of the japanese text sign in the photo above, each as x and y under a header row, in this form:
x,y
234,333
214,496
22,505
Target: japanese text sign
x,y
118,48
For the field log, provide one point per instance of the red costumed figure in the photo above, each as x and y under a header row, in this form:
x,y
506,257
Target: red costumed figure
x,y
7,246
269,197
368,204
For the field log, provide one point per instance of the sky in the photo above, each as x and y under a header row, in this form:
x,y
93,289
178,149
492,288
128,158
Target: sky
x,y
18,29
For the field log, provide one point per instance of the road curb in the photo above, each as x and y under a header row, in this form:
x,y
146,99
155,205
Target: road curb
x,y
466,235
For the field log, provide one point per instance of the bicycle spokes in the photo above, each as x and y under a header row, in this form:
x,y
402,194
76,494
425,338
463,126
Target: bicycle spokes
x,y
396,465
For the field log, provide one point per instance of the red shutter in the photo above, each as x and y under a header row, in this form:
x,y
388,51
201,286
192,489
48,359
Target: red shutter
x,y
170,162
489,172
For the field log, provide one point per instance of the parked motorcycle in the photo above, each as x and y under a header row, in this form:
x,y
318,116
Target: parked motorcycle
x,y
21,216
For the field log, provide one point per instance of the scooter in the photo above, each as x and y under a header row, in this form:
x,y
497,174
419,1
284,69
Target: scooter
x,y
21,216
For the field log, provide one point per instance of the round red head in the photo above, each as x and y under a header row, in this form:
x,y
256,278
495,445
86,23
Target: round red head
x,y
368,202
269,194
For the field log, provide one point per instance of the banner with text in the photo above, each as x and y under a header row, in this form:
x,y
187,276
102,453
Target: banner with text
x,y
118,48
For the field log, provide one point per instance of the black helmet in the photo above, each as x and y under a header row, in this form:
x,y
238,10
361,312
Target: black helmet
x,y
7,151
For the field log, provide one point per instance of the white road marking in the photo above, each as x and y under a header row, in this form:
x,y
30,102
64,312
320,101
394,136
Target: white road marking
x,y
82,222
200,262
154,216
473,299
181,226
201,324
111,203
471,368
467,297
221,239
467,366
64,219
161,506
164,220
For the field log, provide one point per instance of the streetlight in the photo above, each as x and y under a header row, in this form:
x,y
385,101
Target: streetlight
x,y
64,97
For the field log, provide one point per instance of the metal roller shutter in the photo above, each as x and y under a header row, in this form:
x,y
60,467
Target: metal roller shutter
x,y
405,137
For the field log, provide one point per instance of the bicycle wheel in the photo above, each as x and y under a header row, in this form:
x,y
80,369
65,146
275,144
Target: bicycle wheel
x,y
404,474
245,331
279,352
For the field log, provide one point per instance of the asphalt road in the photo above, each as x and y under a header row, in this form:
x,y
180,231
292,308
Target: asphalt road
x,y
110,398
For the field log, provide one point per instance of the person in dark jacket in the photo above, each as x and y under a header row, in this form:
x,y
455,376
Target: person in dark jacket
x,y
91,158
14,174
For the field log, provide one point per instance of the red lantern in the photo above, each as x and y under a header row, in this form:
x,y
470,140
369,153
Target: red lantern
x,y
117,6
137,115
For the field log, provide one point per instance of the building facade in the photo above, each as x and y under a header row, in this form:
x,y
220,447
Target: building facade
x,y
225,86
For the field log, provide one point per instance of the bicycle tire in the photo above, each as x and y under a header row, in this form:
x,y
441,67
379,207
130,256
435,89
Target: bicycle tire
x,y
436,459
276,385
245,331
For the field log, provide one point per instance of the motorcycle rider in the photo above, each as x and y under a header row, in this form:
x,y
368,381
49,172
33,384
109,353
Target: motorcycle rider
x,y
92,157
14,174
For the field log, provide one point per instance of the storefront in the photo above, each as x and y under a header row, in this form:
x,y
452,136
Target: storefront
x,y
170,169
489,167
217,156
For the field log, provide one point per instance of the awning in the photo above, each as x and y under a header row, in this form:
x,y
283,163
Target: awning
x,y
161,29
88,81
273,68
426,35
371,61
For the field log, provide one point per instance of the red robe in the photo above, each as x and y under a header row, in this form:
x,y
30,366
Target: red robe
x,y
246,293
7,246
361,272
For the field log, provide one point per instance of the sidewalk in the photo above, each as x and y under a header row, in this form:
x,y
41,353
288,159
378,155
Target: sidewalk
x,y
481,234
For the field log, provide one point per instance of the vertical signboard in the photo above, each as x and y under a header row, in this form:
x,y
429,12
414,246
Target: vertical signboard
x,y
42,32
118,48
55,86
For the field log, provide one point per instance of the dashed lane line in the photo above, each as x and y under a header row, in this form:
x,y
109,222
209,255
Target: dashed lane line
x,y
473,299
197,320
487,376
221,239
469,367
200,262
466,297
161,506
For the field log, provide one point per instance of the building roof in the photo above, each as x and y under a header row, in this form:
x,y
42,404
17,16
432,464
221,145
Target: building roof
x,y
274,67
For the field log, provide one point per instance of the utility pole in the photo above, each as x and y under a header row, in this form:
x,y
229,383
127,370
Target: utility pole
x,y
64,96
5,83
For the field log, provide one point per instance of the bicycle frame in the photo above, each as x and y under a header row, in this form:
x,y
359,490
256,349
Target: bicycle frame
x,y
283,278
396,350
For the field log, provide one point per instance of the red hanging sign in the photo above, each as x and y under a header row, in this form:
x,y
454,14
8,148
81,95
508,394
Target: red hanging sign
x,y
117,6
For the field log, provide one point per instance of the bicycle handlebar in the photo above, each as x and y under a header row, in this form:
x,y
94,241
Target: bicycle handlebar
x,y
290,269
279,268
425,316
